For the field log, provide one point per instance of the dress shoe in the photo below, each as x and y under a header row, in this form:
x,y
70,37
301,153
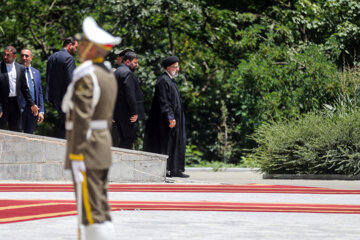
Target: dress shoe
x,y
180,174
169,175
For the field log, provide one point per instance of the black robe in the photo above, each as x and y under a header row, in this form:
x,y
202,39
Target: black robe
x,y
159,137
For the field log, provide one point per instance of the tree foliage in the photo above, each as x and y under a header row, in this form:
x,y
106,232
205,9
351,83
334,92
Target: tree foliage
x,y
243,63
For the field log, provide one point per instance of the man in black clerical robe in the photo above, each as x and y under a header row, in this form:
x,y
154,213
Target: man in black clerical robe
x,y
165,127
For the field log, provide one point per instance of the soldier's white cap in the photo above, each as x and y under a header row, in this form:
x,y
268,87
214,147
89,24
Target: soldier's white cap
x,y
93,33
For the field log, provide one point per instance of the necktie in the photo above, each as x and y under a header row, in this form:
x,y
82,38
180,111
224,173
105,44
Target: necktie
x,y
31,84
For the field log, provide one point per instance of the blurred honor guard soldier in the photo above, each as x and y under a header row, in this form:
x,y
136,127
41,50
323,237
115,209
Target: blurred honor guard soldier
x,y
59,71
130,101
12,85
89,105
33,79
165,127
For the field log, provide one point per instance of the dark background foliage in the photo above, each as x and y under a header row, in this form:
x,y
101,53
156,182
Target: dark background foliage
x,y
243,63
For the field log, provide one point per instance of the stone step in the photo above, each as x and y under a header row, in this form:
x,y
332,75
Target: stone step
x,y
31,157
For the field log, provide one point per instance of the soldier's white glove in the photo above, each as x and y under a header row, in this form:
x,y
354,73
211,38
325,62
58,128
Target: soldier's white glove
x,y
78,167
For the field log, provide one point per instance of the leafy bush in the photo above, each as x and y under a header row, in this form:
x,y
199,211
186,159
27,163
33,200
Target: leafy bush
x,y
249,162
277,83
192,155
313,144
215,165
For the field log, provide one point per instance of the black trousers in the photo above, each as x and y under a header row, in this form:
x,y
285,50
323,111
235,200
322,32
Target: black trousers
x,y
61,129
126,141
11,115
115,135
28,121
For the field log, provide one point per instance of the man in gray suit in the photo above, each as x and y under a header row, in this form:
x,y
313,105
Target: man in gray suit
x,y
59,70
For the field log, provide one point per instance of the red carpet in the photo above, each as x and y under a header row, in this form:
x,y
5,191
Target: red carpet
x,y
27,210
251,188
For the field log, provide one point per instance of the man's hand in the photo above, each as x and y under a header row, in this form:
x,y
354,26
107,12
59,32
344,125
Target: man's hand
x,y
134,118
35,110
172,123
1,113
40,118
78,167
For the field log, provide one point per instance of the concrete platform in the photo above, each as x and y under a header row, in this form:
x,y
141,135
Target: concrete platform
x,y
29,157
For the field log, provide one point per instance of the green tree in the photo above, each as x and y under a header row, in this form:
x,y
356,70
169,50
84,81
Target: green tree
x,y
242,62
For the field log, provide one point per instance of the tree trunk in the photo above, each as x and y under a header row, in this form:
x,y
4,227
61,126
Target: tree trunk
x,y
172,46
303,33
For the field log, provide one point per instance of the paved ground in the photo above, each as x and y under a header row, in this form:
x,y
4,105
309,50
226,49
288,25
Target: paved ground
x,y
194,225
248,176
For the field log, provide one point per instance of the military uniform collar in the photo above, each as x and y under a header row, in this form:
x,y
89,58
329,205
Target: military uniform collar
x,y
84,69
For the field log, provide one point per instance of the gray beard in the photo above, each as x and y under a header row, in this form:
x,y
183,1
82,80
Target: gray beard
x,y
174,75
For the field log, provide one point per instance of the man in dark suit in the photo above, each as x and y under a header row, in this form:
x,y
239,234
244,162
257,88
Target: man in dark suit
x,y
33,79
59,70
12,85
129,106
165,127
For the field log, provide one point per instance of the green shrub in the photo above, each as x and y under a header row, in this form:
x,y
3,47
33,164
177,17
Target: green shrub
x,y
316,143
277,83
215,165
192,155
249,162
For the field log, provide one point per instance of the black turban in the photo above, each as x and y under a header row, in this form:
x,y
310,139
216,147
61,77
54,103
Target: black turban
x,y
169,61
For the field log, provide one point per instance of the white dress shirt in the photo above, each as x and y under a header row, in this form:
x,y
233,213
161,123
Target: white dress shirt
x,y
12,78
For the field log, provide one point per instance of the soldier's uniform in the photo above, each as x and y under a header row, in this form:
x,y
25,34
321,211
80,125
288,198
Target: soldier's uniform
x,y
88,134
89,104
